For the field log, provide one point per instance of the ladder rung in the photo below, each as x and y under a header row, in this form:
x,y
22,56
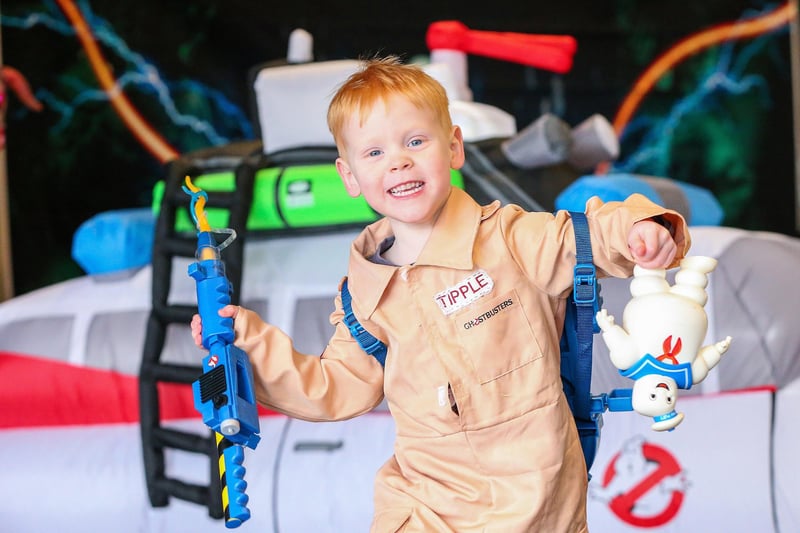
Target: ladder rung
x,y
182,440
185,491
175,246
175,313
223,199
171,373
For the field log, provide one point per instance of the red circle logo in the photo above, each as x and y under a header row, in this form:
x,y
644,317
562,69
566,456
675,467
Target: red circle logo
x,y
659,466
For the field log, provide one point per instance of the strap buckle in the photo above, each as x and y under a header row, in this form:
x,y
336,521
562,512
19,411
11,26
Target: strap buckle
x,y
584,285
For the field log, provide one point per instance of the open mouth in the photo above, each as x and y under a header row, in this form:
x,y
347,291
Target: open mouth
x,y
406,189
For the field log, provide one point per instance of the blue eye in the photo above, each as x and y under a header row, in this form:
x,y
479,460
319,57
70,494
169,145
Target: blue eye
x,y
415,142
374,153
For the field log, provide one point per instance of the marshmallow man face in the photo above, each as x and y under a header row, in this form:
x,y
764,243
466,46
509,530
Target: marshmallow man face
x,y
654,395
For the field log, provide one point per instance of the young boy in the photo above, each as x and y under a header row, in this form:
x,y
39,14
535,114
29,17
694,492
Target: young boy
x,y
469,300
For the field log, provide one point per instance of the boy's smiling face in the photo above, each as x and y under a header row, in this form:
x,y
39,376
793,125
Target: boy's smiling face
x,y
400,158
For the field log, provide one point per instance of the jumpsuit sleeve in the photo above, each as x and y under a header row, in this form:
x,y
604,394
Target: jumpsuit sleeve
x,y
341,383
544,244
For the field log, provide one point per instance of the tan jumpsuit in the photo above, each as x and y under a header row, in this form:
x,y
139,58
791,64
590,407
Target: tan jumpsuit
x,y
485,439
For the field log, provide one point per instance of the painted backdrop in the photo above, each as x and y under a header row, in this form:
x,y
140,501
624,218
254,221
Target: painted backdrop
x,y
719,116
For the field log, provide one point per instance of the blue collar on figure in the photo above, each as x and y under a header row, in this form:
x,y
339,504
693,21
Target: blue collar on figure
x,y
682,373
661,418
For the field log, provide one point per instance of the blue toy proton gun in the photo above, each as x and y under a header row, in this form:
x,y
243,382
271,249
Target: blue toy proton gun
x,y
224,394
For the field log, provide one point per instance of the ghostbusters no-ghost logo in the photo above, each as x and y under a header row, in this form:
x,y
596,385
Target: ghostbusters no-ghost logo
x,y
643,485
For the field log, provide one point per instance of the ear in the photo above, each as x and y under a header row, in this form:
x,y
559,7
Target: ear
x,y
457,148
349,181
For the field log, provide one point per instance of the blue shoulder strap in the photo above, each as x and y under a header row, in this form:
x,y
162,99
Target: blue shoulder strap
x,y
368,342
584,295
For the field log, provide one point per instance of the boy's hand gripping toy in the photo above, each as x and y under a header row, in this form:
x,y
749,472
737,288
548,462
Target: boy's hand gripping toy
x,y
224,394
659,345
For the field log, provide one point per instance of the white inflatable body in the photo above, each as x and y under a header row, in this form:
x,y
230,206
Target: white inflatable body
x,y
72,352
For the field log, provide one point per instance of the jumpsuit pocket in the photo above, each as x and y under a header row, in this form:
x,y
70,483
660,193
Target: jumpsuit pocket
x,y
497,336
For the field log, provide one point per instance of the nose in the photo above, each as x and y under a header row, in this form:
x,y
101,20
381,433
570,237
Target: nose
x,y
401,162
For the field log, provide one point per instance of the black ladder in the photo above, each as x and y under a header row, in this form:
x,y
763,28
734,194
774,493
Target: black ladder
x,y
169,244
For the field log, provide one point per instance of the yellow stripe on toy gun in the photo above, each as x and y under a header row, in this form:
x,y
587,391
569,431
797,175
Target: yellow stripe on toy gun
x,y
221,445
232,483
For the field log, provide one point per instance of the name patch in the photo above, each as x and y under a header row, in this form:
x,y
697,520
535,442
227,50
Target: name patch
x,y
464,292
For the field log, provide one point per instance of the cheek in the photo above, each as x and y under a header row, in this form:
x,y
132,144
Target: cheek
x,y
371,189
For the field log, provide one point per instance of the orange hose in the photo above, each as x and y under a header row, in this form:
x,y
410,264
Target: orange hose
x,y
199,206
692,45
145,133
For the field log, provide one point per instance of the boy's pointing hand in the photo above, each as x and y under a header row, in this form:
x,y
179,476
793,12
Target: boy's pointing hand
x,y
651,245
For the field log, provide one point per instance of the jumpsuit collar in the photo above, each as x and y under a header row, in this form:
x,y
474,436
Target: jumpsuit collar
x,y
450,245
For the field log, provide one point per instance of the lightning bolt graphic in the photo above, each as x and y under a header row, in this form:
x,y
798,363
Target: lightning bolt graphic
x,y
92,31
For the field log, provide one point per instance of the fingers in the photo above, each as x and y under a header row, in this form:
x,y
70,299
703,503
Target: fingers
x,y
651,245
229,311
637,246
604,320
722,346
660,257
197,331
196,325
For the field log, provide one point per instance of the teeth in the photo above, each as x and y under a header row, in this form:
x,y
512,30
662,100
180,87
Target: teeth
x,y
406,188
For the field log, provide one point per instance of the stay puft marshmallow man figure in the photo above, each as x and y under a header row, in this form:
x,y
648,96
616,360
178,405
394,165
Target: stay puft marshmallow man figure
x,y
659,345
